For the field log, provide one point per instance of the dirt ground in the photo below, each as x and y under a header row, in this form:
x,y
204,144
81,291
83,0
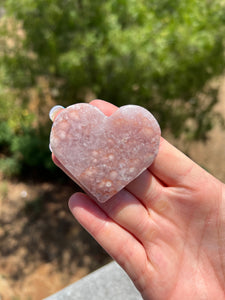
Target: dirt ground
x,y
42,247
210,154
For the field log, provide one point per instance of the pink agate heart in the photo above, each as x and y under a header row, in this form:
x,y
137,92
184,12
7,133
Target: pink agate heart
x,y
103,154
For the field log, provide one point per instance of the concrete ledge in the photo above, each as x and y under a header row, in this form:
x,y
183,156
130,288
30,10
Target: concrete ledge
x,y
109,283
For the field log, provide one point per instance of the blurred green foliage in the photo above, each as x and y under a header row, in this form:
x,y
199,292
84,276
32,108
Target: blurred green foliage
x,y
158,54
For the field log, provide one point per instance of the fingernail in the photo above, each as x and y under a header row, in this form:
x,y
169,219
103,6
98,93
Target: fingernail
x,y
54,110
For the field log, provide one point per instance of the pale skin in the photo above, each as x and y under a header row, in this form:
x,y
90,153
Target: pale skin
x,y
166,229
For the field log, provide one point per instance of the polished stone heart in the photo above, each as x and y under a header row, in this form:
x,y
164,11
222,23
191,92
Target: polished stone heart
x,y
103,154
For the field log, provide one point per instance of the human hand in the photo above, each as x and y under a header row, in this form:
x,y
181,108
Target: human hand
x,y
166,228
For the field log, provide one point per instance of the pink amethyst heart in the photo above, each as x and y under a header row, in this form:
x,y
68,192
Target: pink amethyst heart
x,y
103,154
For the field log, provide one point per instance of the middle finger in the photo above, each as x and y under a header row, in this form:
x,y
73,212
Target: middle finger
x,y
127,211
150,191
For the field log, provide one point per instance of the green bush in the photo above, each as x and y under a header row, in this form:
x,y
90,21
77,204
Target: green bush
x,y
158,54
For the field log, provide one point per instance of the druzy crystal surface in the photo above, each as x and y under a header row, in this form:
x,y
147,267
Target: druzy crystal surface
x,y
103,154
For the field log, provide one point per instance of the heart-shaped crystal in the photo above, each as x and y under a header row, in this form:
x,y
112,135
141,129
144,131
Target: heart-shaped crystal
x,y
103,154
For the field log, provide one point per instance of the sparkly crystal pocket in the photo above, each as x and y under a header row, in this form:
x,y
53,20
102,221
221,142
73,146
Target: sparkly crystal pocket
x,y
103,154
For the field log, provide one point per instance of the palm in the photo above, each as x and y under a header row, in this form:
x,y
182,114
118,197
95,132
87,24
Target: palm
x,y
186,251
165,229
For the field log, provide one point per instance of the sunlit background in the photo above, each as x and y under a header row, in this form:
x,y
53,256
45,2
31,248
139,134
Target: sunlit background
x,y
168,56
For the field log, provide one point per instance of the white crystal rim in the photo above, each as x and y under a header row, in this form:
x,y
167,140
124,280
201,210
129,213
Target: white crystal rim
x,y
53,111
